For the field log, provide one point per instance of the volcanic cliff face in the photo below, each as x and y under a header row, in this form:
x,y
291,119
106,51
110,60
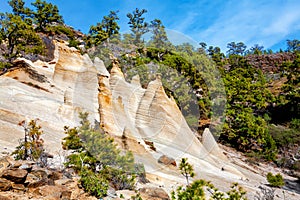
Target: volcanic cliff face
x,y
145,121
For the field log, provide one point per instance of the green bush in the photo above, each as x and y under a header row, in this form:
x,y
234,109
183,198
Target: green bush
x,y
98,160
196,190
275,180
93,183
61,29
73,43
31,147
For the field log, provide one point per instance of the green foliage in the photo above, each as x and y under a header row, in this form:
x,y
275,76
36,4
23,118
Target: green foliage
x,y
73,43
247,97
62,29
19,9
19,35
45,15
256,49
216,54
285,137
186,169
236,193
32,146
236,48
196,191
93,183
275,180
290,96
96,155
293,45
159,37
136,197
295,124
137,24
104,30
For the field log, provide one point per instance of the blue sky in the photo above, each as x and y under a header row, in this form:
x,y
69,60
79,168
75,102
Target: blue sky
x,y
216,22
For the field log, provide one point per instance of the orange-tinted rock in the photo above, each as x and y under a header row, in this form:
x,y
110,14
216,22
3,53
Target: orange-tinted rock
x,y
152,193
167,160
5,184
15,175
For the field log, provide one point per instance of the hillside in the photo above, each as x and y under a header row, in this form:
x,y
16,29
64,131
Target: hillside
x,y
125,115
71,83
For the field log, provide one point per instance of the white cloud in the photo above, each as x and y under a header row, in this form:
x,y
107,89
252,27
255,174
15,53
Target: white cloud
x,y
187,22
252,22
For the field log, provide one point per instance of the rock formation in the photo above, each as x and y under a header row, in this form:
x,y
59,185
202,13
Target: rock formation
x,y
145,121
52,92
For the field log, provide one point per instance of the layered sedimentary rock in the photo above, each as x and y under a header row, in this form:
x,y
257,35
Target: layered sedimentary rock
x,y
152,119
53,93
147,120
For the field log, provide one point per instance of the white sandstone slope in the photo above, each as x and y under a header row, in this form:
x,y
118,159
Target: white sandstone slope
x,y
51,92
55,92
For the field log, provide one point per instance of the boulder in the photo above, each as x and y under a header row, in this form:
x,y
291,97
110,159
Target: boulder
x,y
15,175
36,179
167,160
53,192
18,187
4,163
5,184
152,193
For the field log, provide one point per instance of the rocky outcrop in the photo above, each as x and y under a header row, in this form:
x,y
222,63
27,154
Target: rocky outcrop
x,y
37,183
53,92
270,63
15,175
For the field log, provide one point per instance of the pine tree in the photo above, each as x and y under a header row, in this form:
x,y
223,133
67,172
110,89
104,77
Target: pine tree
x,y
32,145
104,30
159,37
138,25
45,15
18,8
186,169
19,35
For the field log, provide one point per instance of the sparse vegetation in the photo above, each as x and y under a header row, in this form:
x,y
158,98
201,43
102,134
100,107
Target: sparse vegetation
x,y
97,159
31,147
198,189
275,180
186,169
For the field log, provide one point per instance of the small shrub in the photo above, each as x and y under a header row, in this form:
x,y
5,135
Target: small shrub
x,y
32,145
60,29
275,180
73,43
97,159
93,183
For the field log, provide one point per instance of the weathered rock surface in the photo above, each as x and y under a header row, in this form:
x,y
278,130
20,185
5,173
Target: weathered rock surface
x,y
53,92
151,193
40,183
15,175
167,160
5,184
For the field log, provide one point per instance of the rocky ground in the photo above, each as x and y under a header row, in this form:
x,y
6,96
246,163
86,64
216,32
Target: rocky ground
x,y
22,180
